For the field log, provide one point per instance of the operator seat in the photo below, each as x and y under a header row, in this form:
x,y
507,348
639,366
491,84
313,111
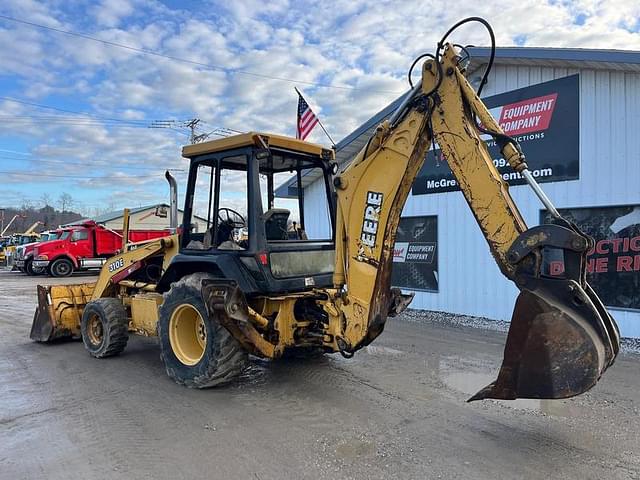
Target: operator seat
x,y
275,223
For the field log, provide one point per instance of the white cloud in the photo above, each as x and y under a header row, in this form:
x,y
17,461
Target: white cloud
x,y
364,45
110,12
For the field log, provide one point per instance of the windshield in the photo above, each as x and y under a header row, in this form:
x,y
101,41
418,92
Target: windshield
x,y
64,235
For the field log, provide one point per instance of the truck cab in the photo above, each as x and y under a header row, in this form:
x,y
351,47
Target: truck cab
x,y
252,237
24,253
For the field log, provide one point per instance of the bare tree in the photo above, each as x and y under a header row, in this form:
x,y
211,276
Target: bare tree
x,y
26,205
45,199
65,200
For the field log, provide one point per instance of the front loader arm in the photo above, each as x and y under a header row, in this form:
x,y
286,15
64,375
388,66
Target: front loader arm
x,y
371,193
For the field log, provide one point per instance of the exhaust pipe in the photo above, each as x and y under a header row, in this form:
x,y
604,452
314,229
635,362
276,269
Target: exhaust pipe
x,y
173,213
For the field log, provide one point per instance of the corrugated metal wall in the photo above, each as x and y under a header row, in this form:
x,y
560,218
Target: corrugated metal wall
x,y
469,280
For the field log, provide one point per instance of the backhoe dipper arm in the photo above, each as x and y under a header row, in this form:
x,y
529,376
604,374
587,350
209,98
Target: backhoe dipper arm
x,y
372,191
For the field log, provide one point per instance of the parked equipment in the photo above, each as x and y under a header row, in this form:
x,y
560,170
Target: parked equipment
x,y
82,247
24,253
18,239
215,300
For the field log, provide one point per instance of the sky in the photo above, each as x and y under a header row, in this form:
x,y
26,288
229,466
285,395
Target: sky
x,y
95,95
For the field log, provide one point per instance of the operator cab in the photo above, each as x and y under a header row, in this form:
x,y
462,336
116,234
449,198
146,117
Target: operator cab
x,y
245,212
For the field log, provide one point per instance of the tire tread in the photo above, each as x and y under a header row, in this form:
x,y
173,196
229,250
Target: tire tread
x,y
225,360
116,323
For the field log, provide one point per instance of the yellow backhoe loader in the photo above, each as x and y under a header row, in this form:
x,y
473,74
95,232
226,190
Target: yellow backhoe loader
x,y
212,300
17,239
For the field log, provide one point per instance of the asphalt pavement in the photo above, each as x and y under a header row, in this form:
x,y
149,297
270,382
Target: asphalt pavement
x,y
396,410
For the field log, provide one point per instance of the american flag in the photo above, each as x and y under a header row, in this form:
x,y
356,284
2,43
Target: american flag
x,y
306,119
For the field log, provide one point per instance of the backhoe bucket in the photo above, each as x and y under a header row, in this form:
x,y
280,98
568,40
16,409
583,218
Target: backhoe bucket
x,y
59,311
560,341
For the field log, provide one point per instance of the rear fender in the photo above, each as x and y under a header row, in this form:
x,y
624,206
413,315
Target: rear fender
x,y
224,266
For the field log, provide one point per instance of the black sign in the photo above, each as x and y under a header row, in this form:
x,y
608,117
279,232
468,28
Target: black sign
x,y
613,265
415,256
543,118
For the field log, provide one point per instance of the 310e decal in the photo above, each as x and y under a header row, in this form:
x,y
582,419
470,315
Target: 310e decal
x,y
115,265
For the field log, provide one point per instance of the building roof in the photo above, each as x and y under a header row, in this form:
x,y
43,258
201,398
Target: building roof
x,y
114,215
620,60
109,216
247,139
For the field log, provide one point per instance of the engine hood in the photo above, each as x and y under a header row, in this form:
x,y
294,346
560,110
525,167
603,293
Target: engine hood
x,y
50,246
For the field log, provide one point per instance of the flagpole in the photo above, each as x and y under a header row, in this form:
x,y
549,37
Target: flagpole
x,y
319,122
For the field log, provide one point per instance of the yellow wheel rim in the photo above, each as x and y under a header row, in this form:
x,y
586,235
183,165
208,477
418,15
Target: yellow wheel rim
x,y
187,334
95,332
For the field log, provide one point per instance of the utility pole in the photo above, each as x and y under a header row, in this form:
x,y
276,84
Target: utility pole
x,y
192,124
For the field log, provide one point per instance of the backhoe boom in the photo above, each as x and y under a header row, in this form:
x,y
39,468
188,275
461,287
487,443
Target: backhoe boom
x,y
372,191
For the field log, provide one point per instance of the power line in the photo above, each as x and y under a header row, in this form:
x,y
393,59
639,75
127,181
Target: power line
x,y
38,174
86,164
107,121
50,107
14,151
153,124
183,60
76,124
53,119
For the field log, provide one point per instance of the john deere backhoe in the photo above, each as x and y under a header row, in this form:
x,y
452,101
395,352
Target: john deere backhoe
x,y
212,300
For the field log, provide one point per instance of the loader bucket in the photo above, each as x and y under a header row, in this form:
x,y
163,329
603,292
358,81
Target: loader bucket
x,y
59,311
560,341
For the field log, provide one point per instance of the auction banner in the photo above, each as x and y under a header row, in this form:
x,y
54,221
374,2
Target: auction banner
x,y
415,256
543,118
613,265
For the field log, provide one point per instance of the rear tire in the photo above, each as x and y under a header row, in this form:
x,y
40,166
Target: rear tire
x,y
62,267
104,327
197,351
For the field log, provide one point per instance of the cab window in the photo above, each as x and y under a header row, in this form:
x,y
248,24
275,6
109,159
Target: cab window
x,y
80,235
219,218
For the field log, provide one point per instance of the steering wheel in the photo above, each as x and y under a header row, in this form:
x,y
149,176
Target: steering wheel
x,y
231,217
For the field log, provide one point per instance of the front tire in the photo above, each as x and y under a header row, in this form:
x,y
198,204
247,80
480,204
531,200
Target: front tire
x,y
104,327
30,270
197,350
62,267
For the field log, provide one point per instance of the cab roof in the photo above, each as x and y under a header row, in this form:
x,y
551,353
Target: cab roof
x,y
251,138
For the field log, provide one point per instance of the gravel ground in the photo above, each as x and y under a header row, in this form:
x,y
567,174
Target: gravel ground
x,y
628,345
397,410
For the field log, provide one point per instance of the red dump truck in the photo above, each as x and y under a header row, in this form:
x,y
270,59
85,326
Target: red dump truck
x,y
85,246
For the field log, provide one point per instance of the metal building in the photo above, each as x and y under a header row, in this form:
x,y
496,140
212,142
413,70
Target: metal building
x,y
576,113
149,217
